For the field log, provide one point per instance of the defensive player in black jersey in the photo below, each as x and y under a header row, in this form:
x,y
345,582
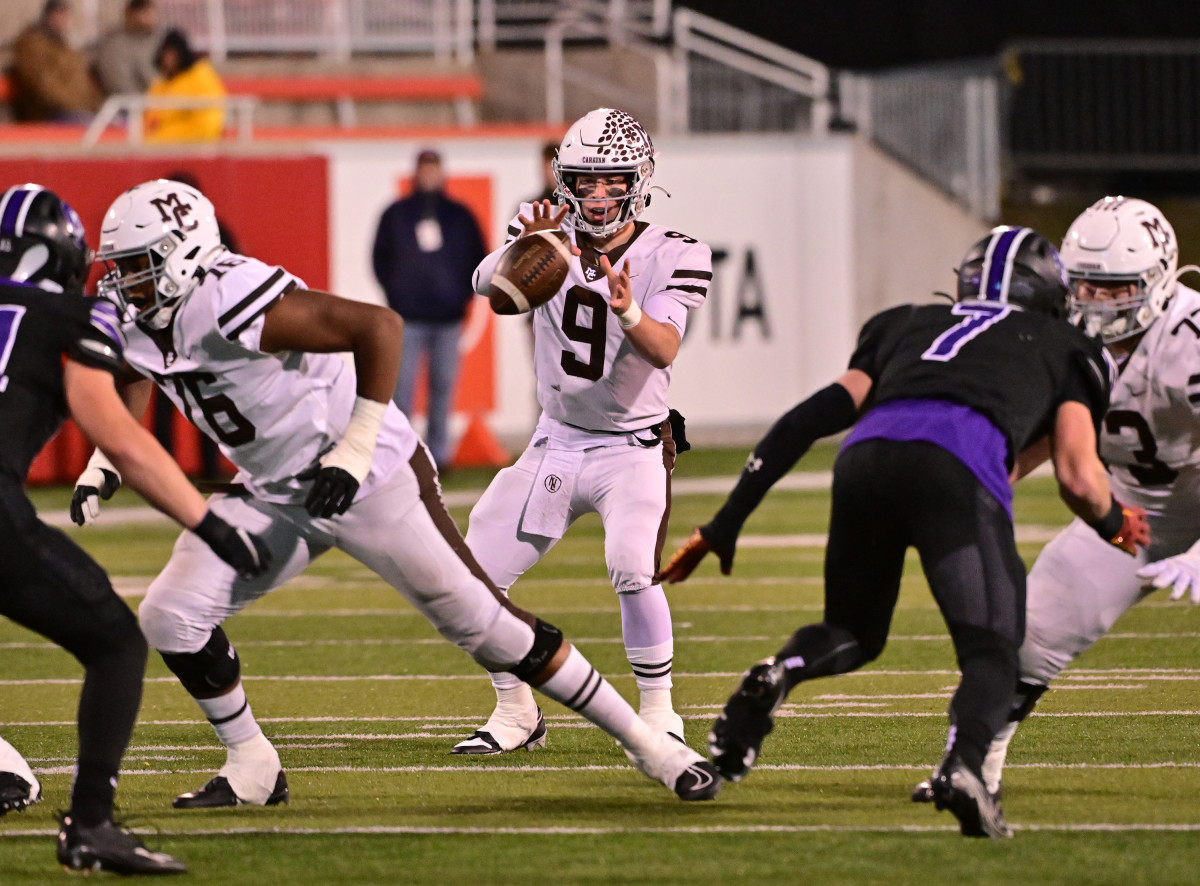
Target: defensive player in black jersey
x,y
58,353
944,400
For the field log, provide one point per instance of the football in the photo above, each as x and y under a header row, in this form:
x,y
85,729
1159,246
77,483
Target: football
x,y
530,272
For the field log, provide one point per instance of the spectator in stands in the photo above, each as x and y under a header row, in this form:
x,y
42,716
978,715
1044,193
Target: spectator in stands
x,y
184,74
51,80
426,248
124,60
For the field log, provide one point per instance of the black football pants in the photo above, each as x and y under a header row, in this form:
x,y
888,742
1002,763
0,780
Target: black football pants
x,y
888,496
50,585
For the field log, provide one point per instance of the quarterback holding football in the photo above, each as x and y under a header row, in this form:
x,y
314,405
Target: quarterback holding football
x,y
606,441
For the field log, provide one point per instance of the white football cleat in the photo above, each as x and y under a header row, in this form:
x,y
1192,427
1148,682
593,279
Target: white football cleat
x,y
498,737
252,776
677,766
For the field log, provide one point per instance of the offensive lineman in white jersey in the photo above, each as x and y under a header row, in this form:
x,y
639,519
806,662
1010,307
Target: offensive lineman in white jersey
x,y
606,441
251,356
1121,257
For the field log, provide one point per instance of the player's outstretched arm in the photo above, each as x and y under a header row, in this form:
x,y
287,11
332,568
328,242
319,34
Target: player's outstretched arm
x,y
1083,482
100,480
828,411
322,323
146,466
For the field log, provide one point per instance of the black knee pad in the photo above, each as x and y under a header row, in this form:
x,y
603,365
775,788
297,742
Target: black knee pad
x,y
1027,696
547,640
210,672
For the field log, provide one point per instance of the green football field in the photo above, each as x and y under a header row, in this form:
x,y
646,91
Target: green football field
x,y
363,701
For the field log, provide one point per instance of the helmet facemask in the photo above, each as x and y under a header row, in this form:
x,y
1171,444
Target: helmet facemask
x,y
1119,242
604,144
131,272
1119,318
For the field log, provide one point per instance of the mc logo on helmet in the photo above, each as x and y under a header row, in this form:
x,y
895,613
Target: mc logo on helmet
x,y
178,210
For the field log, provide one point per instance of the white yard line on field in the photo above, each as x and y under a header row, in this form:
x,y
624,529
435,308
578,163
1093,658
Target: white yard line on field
x,y
592,641
1158,674
502,770
419,830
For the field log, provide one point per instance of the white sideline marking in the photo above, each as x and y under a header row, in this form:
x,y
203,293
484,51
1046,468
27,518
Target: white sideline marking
x,y
398,830
1162,674
799,481
596,641
484,768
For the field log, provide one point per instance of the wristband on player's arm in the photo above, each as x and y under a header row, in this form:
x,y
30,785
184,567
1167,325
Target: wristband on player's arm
x,y
1123,527
1109,526
828,411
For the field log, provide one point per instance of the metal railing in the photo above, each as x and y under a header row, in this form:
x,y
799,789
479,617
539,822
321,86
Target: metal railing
x,y
604,22
127,112
525,21
717,78
944,124
332,28
728,80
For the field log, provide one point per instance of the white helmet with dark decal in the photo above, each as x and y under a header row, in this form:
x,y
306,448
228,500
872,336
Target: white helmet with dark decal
x,y
156,240
605,142
1115,242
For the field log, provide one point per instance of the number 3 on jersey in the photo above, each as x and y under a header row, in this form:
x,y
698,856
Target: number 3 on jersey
x,y
977,316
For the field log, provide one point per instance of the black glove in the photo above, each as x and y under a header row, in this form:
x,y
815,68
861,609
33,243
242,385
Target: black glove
x,y
92,484
723,544
244,551
332,492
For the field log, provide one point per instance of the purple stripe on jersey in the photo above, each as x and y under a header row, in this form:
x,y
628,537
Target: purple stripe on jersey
x,y
104,318
8,222
960,430
997,264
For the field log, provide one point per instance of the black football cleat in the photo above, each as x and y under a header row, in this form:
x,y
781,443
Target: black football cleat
x,y
106,847
923,792
483,743
699,781
957,788
747,719
218,793
16,793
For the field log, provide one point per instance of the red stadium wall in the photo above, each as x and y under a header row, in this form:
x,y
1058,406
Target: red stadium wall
x,y
276,208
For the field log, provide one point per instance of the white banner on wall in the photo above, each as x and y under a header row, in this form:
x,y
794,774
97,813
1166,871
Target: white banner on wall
x,y
777,211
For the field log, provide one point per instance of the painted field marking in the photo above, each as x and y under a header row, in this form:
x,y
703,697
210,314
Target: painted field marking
x,y
401,830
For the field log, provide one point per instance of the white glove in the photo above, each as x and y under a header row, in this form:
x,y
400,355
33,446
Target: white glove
x,y
99,480
1182,571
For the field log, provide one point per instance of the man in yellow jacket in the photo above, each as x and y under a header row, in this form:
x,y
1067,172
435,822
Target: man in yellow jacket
x,y
183,74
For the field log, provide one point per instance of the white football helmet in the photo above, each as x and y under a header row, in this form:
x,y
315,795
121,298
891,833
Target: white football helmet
x,y
1119,241
156,240
605,142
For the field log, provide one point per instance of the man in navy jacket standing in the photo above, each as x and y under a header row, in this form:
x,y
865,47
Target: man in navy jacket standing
x,y
426,248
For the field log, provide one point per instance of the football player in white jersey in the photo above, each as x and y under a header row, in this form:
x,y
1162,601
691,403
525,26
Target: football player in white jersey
x,y
1121,257
603,349
251,356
